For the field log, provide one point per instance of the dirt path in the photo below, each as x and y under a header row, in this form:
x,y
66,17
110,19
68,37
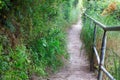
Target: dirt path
x,y
78,67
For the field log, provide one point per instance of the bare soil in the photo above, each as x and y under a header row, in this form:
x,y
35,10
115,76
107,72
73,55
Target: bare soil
x,y
78,65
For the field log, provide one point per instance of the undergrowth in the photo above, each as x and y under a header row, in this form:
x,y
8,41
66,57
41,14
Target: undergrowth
x,y
32,36
95,10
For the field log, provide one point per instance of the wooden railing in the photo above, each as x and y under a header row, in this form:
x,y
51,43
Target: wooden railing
x,y
101,58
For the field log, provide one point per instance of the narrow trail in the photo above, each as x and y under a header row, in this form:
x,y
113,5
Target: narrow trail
x,y
78,66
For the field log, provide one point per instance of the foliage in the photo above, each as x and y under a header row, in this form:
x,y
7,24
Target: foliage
x,y
32,37
14,66
48,51
95,10
4,4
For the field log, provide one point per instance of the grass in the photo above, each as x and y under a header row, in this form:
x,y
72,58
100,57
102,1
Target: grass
x,y
112,62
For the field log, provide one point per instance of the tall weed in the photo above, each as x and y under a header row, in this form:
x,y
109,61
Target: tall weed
x,y
112,19
49,50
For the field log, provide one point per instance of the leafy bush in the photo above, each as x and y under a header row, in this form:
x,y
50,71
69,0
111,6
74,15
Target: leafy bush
x,y
14,66
4,4
49,50
39,26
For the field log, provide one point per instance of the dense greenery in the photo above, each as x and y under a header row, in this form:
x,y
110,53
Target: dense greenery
x,y
32,36
96,8
101,11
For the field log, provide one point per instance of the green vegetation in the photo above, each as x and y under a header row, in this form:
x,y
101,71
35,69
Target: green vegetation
x,y
111,17
32,36
96,8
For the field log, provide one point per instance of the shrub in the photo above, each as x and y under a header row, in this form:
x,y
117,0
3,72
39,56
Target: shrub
x,y
14,66
39,26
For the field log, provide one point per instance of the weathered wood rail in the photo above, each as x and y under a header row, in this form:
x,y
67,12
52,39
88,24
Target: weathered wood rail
x,y
101,58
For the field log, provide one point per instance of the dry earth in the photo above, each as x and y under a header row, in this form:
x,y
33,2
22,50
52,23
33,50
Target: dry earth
x,y
78,67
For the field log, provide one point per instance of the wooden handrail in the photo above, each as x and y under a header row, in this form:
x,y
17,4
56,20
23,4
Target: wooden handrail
x,y
104,27
101,58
